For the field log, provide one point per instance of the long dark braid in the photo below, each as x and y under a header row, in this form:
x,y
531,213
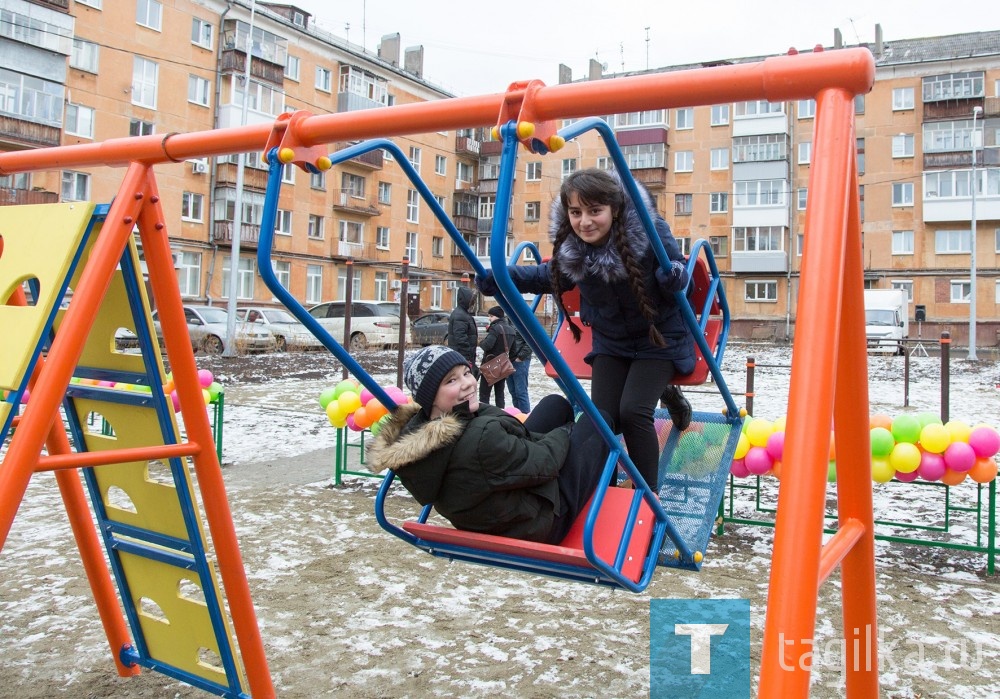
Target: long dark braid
x,y
637,281
555,275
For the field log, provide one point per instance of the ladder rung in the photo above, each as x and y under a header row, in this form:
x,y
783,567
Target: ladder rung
x,y
58,462
838,546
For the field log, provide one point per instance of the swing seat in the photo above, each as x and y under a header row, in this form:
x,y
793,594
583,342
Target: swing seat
x,y
574,352
566,559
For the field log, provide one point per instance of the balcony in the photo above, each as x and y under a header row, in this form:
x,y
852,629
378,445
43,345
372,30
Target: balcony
x,y
467,146
28,133
962,159
765,261
222,233
652,177
9,196
460,264
372,160
346,202
253,178
234,60
465,224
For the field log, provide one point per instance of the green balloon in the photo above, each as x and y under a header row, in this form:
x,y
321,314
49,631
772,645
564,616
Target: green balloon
x,y
928,418
906,428
327,396
214,390
345,386
882,441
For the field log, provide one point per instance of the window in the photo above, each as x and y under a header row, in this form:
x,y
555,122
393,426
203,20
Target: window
x,y
463,172
288,173
568,167
961,290
684,161
352,185
192,205
718,202
437,246
84,56
720,114
758,108
293,66
758,238
902,145
189,273
642,156
533,172
532,210
324,79
144,77
805,153
861,155
440,165
138,127
761,291
801,198
79,120
411,245
719,245
283,272
414,157
760,148
683,204
653,117
75,186
199,90
903,285
244,273
902,194
951,86
953,242
384,193
859,104
684,119
759,193
148,13
382,237
314,283
902,242
436,295
382,286
412,206
201,33
317,180
719,159
315,229
352,232
283,222
902,98
96,4
807,109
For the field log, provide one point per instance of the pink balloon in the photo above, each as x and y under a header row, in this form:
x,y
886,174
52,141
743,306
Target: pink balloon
x,y
205,378
176,400
906,477
739,468
351,424
758,461
366,396
776,445
932,466
984,441
959,457
25,395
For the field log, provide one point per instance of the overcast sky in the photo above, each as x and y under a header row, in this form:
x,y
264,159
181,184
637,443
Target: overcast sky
x,y
481,47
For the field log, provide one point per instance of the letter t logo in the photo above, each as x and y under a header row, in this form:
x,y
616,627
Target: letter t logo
x,y
701,644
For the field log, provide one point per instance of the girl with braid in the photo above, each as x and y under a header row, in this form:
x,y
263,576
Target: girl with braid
x,y
640,341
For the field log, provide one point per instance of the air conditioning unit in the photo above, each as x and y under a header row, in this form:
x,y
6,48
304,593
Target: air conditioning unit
x,y
176,257
199,167
396,284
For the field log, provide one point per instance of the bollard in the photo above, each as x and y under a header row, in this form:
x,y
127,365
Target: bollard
x,y
945,376
751,365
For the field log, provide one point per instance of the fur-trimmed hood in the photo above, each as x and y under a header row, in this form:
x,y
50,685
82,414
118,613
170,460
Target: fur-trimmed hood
x,y
579,260
393,448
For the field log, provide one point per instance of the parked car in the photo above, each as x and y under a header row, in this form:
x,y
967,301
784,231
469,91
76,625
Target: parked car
x,y
288,331
373,323
432,328
208,328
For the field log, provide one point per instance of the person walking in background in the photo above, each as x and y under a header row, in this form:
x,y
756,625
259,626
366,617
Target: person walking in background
x,y
517,383
640,340
497,341
463,335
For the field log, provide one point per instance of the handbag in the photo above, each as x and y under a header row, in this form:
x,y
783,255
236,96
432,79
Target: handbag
x,y
499,367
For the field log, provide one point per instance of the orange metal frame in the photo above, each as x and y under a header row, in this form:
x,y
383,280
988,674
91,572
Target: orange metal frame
x,y
829,375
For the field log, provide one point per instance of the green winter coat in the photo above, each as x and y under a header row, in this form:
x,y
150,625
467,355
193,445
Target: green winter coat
x,y
483,471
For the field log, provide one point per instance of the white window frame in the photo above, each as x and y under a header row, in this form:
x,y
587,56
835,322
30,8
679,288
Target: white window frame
x,y
412,246
193,207
145,76
805,152
532,210
202,33
315,227
902,145
437,246
85,56
963,287
149,14
903,285
324,79
902,242
199,90
684,161
189,273
765,285
801,198
903,98
718,203
720,115
533,171
314,284
75,186
80,120
414,157
246,274
412,206
684,119
568,167
719,158
953,242
383,236
806,108
384,192
440,165
293,67
283,222
902,194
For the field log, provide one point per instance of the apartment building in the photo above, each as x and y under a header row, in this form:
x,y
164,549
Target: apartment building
x,y
736,175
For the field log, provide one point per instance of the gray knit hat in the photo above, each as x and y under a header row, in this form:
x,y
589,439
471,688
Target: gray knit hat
x,y
424,371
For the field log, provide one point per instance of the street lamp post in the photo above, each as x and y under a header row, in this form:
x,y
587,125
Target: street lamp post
x,y
972,245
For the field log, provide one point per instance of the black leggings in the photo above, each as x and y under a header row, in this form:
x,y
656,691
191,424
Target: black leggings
x,y
628,391
584,462
484,392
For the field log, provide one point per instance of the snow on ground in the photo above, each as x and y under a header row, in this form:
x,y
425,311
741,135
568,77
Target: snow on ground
x,y
346,611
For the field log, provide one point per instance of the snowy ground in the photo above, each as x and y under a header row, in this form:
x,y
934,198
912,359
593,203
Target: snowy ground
x,y
347,611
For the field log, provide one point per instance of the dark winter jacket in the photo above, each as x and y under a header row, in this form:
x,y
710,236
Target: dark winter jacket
x,y
463,335
496,335
607,303
483,471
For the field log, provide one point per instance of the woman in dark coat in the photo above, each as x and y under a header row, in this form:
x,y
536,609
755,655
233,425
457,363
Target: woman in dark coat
x,y
482,468
498,340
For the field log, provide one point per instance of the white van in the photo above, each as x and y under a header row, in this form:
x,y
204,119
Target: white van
x,y
887,322
373,323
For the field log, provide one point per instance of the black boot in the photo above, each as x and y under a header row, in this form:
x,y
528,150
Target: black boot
x,y
677,405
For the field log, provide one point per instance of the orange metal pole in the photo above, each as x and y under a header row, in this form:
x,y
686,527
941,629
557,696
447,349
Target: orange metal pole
x,y
167,293
776,79
838,546
854,476
791,610
58,462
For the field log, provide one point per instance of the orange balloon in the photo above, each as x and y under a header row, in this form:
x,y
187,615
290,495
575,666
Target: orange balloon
x,y
168,387
953,477
776,470
833,449
984,470
361,418
880,420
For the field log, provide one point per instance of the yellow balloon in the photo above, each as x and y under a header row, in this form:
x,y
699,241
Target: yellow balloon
x,y
905,457
958,430
779,424
882,472
934,438
335,412
742,447
349,401
758,431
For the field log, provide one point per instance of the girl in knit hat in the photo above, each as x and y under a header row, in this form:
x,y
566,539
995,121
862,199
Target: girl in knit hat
x,y
482,468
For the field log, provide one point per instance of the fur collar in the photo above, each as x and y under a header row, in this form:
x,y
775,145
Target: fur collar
x,y
395,446
579,260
